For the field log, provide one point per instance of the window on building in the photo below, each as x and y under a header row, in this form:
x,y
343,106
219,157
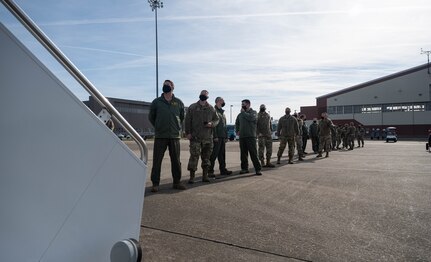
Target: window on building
x,y
340,110
371,109
332,110
419,107
348,109
357,109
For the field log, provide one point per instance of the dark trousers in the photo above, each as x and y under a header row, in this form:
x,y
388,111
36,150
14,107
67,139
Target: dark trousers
x,y
247,146
160,145
315,143
304,143
219,152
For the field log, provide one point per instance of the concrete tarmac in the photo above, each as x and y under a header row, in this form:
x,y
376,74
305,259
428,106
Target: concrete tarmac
x,y
369,204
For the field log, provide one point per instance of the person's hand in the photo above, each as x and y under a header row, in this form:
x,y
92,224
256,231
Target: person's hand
x,y
209,124
189,136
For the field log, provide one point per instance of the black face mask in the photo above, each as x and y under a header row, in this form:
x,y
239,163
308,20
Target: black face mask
x,y
166,88
244,107
203,97
223,104
262,109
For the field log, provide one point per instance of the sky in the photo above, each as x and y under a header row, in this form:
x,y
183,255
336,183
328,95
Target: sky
x,y
281,53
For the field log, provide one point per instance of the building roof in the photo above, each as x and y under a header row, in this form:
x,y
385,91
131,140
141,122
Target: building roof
x,y
120,100
375,81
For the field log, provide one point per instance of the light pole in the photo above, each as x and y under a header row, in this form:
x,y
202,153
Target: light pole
x,y
428,54
156,4
231,113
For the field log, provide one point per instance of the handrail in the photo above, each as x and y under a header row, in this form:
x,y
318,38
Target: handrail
x,y
74,71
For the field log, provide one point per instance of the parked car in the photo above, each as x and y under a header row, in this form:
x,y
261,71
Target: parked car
x,y
274,130
231,135
147,135
123,136
391,134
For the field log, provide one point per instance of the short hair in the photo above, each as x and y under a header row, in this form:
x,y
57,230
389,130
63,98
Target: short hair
x,y
245,101
218,99
170,82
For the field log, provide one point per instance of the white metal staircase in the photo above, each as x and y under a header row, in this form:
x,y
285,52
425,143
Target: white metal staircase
x,y
70,190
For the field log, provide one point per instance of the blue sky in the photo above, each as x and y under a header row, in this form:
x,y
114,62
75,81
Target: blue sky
x,y
280,53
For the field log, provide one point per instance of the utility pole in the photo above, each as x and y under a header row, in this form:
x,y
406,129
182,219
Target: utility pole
x,y
156,4
428,55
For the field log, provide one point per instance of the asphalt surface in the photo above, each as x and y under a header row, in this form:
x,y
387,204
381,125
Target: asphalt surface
x,y
369,204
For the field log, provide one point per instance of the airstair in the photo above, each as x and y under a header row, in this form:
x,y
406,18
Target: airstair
x,y
70,190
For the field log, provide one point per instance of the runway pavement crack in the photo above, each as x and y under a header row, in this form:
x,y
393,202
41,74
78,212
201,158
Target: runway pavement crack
x,y
224,243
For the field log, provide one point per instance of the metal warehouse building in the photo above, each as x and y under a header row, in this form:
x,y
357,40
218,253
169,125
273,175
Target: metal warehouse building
x,y
402,100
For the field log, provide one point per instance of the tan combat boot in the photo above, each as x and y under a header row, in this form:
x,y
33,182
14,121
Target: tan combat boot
x,y
205,176
290,160
268,163
192,177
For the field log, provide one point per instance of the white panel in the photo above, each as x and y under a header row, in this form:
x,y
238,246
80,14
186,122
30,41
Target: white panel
x,y
61,169
413,87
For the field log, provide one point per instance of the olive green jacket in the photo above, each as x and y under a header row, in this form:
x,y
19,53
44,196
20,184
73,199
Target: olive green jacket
x,y
167,117
220,131
197,117
245,123
287,126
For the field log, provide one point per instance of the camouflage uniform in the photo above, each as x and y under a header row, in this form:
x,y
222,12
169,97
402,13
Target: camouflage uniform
x,y
287,130
361,134
264,136
334,137
351,130
298,140
339,136
345,136
201,143
325,143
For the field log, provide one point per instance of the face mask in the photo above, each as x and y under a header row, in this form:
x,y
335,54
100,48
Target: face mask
x,y
244,107
262,109
287,112
167,88
223,104
203,97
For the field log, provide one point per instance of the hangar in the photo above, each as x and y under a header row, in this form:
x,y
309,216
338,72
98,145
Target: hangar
x,y
401,100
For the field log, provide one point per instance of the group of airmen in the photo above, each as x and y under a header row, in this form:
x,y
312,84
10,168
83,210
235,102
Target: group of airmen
x,y
205,128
